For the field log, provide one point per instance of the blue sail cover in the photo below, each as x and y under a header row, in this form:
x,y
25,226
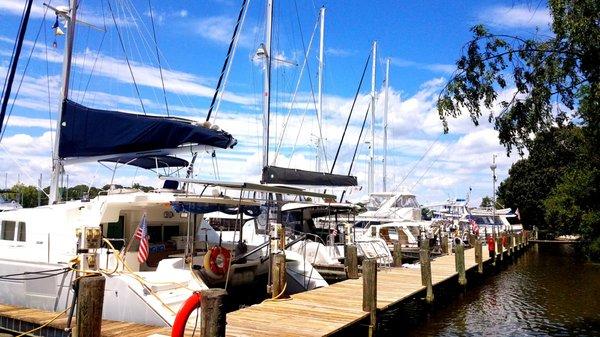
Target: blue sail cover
x,y
87,132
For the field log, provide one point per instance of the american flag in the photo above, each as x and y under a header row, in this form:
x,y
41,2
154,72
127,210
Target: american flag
x,y
142,234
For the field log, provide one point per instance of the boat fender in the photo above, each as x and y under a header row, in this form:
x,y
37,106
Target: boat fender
x,y
192,303
216,261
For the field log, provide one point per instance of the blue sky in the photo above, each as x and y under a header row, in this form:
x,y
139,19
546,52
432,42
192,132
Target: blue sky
x,y
423,39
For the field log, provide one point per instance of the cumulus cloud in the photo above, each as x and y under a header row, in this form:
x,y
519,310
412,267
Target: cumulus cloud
x,y
518,16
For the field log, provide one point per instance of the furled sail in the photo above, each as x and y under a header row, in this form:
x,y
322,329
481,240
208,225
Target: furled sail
x,y
88,132
281,175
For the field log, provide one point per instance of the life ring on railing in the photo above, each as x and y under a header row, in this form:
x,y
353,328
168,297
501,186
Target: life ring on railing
x,y
216,261
191,304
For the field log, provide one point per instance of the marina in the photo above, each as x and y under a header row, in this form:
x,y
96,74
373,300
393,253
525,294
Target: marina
x,y
320,312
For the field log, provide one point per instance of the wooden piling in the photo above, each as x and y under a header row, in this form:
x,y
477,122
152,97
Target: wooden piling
x,y
459,259
89,306
500,248
444,243
509,250
426,273
397,254
213,313
279,275
369,302
479,255
351,262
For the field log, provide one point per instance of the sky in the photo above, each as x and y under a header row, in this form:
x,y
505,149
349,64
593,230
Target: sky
x,y
422,40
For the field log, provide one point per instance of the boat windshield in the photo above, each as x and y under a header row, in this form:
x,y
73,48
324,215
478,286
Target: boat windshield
x,y
406,201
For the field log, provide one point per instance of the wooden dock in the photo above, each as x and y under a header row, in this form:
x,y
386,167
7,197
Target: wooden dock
x,y
320,312
327,310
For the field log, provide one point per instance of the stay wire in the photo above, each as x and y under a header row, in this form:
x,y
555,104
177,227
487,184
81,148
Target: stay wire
x,y
350,115
227,58
162,81
126,57
356,147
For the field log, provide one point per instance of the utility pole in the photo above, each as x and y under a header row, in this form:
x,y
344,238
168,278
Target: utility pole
x,y
493,168
371,184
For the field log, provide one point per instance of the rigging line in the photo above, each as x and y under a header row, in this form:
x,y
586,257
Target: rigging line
x,y
350,114
14,62
12,106
126,58
418,161
362,128
162,80
93,67
429,167
298,134
295,93
49,97
232,44
12,55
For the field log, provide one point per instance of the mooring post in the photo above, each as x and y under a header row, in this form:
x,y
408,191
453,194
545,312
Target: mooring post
x,y
509,250
370,292
426,271
444,243
459,259
89,306
500,247
479,255
351,262
397,254
213,313
278,275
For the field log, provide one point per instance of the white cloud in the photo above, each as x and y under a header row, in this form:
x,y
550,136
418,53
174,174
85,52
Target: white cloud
x,y
518,16
434,67
340,52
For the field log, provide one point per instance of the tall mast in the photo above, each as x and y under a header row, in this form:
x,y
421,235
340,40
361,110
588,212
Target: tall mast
x,y
267,82
57,163
385,121
320,94
373,98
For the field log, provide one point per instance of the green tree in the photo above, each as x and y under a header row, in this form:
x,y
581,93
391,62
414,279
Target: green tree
x,y
553,113
27,195
486,202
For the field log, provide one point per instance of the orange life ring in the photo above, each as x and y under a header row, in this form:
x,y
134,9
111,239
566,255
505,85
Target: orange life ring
x,y
192,303
216,261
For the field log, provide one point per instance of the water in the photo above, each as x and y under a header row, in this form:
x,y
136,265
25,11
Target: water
x,y
548,291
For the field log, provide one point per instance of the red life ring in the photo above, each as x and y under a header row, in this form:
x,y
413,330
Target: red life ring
x,y
216,261
192,303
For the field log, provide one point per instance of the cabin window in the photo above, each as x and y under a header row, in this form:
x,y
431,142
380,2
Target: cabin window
x,y
115,230
8,230
21,233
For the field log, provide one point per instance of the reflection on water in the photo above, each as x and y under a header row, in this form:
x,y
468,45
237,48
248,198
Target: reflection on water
x,y
547,291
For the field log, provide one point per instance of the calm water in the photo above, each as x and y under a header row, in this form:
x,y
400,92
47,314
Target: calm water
x,y
547,291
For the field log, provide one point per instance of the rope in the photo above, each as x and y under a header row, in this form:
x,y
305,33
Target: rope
x,y
55,272
45,324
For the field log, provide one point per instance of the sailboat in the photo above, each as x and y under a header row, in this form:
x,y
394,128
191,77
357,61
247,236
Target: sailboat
x,y
44,250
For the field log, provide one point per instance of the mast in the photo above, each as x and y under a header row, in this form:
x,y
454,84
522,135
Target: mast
x,y
267,82
57,163
320,88
385,121
373,98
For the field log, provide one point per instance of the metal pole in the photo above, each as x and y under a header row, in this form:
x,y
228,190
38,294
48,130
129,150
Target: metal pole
x,y
493,167
320,87
385,122
373,98
267,82
57,163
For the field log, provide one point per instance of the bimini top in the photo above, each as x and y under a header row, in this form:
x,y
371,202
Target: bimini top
x,y
148,162
87,132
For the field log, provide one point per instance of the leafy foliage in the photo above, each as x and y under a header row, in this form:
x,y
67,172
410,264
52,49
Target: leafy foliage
x,y
543,96
486,202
